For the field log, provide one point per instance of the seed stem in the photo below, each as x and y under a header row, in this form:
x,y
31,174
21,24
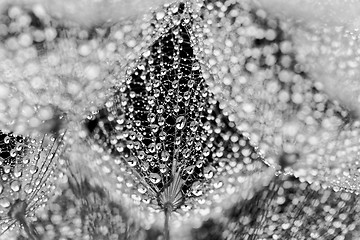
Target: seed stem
x,y
17,212
30,232
167,212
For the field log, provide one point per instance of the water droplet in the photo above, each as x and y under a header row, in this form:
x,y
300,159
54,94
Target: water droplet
x,y
152,147
180,122
209,172
207,126
186,19
37,156
193,126
145,166
178,140
7,169
28,188
162,135
191,83
4,177
161,121
149,158
155,178
246,152
151,100
132,135
142,189
44,169
132,94
196,189
199,163
190,169
26,161
160,109
175,84
158,146
34,170
218,184
163,168
129,184
7,140
160,15
132,161
51,156
185,207
176,108
130,145
154,128
15,186
13,153
165,155
137,144
141,155
195,66
4,202
151,117
19,146
206,152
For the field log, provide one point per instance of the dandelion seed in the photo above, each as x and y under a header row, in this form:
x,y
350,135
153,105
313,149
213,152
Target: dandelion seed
x,y
41,72
27,177
269,93
294,210
181,163
86,212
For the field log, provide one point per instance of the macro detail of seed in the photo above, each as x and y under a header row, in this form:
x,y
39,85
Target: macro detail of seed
x,y
294,210
41,74
87,213
28,170
200,119
164,127
268,92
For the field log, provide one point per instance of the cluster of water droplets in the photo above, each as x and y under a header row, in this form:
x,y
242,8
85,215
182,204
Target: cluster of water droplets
x,y
169,139
293,210
163,135
84,211
263,81
28,169
48,69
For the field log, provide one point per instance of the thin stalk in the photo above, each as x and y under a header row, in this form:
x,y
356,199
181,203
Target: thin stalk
x,y
18,212
31,233
167,212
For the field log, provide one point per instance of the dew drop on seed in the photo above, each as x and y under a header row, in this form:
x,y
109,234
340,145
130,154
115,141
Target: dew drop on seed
x,y
4,202
15,186
180,122
155,178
